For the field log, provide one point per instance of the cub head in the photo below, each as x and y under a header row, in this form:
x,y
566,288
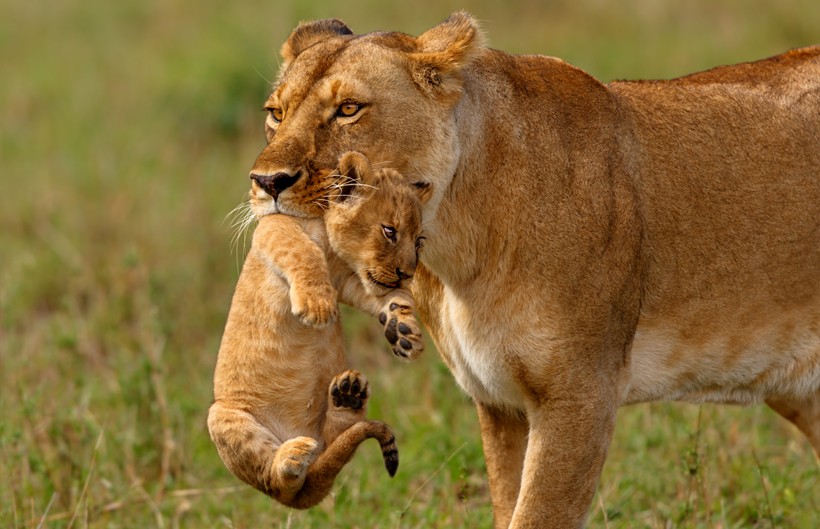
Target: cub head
x,y
389,96
374,223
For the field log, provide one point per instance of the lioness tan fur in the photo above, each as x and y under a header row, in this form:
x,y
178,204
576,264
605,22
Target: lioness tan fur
x,y
287,414
589,245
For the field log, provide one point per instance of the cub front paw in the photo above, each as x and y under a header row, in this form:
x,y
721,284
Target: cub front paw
x,y
315,305
402,330
349,389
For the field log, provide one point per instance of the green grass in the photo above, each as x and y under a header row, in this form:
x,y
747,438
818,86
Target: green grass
x,y
127,131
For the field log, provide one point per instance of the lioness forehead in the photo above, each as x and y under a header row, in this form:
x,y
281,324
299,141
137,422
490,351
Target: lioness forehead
x,y
345,57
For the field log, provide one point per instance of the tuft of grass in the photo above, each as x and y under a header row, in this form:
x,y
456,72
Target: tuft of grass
x,y
127,131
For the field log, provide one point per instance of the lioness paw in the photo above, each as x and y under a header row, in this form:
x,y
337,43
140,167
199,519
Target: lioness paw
x,y
349,390
402,330
295,456
315,305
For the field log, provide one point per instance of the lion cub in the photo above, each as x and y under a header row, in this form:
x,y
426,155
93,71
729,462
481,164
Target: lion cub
x,y
287,415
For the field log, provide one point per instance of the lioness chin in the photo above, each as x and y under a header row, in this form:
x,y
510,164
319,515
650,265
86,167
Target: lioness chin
x,y
588,244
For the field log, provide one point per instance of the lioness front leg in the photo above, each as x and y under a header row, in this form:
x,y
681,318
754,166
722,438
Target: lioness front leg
x,y
568,439
504,440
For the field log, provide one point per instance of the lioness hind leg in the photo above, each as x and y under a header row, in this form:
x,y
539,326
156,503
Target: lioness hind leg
x,y
803,413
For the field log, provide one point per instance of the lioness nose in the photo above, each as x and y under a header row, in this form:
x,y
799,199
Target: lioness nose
x,y
275,183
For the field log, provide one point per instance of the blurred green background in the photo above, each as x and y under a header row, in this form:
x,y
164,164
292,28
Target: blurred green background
x,y
128,129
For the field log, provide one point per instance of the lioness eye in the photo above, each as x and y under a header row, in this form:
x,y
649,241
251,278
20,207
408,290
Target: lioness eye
x,y
348,109
277,114
389,232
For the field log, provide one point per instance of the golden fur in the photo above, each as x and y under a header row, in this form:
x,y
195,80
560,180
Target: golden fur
x,y
287,415
588,245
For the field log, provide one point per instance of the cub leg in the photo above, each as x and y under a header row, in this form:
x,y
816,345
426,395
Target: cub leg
x,y
504,439
256,456
346,403
345,429
396,312
401,328
282,242
803,413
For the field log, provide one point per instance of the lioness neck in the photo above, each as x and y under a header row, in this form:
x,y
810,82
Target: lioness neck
x,y
547,142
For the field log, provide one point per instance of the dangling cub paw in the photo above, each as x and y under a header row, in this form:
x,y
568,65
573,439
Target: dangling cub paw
x,y
349,389
294,457
314,305
402,330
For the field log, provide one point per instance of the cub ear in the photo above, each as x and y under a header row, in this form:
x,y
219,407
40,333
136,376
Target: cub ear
x,y
444,51
307,34
423,190
356,172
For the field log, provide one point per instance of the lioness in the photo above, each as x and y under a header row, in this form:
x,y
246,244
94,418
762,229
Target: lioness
x,y
589,245
287,416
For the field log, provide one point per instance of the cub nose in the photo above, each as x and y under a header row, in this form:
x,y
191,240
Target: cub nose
x,y
403,275
275,183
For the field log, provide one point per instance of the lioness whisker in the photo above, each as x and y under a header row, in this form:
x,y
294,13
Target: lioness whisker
x,y
241,217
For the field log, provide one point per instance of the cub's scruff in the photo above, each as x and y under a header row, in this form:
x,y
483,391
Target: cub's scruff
x,y
287,415
589,245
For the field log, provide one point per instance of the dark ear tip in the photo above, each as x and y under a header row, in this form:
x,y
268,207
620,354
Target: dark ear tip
x,y
423,190
339,27
307,34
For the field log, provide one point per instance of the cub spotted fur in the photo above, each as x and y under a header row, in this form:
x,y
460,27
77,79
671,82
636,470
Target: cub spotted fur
x,y
589,244
287,415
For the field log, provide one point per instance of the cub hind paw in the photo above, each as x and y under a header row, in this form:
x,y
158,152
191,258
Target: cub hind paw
x,y
402,330
349,389
295,456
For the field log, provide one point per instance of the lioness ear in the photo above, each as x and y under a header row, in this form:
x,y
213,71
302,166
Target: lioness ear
x,y
444,50
355,171
307,34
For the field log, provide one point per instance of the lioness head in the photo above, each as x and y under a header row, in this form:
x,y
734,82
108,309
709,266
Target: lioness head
x,y
374,222
389,96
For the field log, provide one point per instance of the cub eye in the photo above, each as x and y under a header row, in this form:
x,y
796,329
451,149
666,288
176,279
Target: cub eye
x,y
389,233
277,114
420,243
348,109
